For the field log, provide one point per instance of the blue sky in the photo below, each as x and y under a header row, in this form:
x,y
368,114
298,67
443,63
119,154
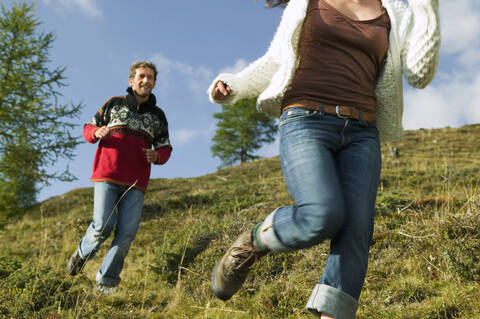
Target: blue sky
x,y
191,42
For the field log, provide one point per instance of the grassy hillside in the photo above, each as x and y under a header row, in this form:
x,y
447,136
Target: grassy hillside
x,y
425,256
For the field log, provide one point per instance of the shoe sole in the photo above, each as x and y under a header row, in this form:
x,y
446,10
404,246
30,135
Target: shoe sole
x,y
216,291
107,291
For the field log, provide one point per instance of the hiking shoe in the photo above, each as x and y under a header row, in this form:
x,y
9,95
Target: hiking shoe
x,y
76,263
106,290
231,271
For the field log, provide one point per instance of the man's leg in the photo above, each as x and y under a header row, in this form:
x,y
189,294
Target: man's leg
x,y
129,213
104,218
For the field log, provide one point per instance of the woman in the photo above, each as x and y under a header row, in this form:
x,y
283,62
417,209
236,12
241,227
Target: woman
x,y
333,74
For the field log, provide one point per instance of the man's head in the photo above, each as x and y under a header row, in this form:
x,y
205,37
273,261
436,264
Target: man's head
x,y
142,78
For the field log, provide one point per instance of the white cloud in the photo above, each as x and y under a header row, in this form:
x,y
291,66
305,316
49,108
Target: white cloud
x,y
198,77
239,65
474,109
184,136
176,73
163,63
453,99
87,7
460,24
453,102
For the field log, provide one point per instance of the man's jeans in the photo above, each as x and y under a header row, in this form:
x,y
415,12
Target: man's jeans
x,y
125,218
332,168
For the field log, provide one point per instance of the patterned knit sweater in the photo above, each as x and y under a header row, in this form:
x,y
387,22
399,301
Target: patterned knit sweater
x,y
120,157
414,42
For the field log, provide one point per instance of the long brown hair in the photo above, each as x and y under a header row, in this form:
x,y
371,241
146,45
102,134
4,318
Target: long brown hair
x,y
276,3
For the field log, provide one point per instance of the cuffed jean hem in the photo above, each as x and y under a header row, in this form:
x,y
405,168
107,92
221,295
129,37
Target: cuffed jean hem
x,y
333,302
269,238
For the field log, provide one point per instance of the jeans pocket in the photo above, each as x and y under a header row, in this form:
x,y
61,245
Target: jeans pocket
x,y
296,113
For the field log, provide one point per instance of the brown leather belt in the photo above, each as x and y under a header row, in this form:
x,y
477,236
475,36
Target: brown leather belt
x,y
342,111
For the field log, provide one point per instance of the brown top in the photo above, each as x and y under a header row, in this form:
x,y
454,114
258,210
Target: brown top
x,y
340,58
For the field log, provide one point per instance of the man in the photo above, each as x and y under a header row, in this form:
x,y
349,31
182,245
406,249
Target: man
x,y
126,127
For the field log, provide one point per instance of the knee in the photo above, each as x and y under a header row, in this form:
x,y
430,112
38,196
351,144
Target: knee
x,y
124,239
323,222
100,231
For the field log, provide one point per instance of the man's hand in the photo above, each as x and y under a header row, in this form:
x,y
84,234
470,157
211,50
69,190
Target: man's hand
x,y
102,132
151,155
221,91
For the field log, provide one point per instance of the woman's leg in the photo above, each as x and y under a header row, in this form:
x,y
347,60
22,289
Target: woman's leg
x,y
312,147
308,141
358,166
308,145
316,162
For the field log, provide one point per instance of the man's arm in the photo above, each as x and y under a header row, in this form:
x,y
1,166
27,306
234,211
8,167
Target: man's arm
x,y
163,154
161,143
92,133
96,129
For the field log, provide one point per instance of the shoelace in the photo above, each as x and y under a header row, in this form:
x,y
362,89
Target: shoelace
x,y
246,253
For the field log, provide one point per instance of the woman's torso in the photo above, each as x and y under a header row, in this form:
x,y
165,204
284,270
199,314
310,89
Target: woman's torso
x,y
340,58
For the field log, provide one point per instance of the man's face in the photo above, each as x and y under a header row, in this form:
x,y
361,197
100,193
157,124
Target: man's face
x,y
143,82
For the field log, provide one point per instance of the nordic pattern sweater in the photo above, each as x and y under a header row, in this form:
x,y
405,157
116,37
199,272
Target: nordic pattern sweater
x,y
414,43
120,158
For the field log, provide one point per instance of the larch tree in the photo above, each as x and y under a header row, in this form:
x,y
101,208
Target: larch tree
x,y
35,127
241,130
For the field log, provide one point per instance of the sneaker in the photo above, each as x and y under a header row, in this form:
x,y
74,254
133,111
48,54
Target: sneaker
x,y
231,271
106,290
76,263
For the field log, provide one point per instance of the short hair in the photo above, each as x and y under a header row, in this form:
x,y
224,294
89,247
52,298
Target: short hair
x,y
142,64
276,3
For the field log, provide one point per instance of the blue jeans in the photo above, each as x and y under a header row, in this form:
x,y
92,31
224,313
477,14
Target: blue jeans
x,y
332,168
125,218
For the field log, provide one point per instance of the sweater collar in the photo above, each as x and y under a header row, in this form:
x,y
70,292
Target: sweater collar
x,y
132,100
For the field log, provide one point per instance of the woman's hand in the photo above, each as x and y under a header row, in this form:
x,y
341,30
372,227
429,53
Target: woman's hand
x,y
221,91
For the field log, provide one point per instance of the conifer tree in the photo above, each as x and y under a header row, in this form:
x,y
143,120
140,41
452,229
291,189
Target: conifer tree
x,y
35,128
241,130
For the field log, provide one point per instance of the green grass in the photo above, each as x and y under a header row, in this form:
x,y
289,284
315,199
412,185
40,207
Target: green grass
x,y
425,255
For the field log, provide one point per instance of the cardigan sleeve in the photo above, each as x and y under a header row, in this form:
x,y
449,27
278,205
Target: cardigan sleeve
x,y
420,32
249,82
256,77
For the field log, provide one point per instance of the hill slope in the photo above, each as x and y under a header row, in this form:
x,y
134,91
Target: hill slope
x,y
424,258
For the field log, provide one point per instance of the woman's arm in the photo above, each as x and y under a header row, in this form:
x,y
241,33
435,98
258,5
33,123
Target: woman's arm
x,y
256,77
420,42
249,82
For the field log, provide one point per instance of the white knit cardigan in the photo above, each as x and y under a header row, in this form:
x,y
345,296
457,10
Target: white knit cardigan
x,y
414,43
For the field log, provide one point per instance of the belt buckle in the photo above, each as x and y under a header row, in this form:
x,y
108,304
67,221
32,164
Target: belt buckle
x,y
337,110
